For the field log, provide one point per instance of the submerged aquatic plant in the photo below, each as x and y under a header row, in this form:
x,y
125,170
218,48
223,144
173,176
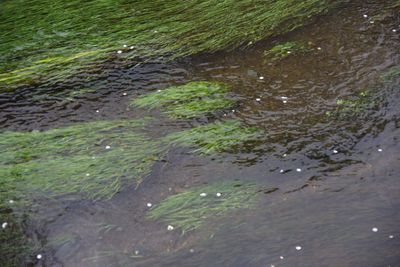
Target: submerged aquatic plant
x,y
93,159
187,101
285,50
190,209
392,74
215,137
63,42
354,106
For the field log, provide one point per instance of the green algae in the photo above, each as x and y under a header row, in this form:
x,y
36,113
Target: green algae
x,y
191,100
51,40
93,159
214,137
285,50
191,209
392,74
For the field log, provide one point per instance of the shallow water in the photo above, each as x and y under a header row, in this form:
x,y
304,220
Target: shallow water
x,y
329,208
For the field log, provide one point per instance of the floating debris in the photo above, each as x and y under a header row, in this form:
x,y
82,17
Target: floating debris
x,y
39,256
298,247
298,170
170,228
4,225
335,151
149,205
375,229
203,194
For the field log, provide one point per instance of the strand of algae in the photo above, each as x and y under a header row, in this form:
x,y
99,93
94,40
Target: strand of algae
x,y
187,101
189,210
43,39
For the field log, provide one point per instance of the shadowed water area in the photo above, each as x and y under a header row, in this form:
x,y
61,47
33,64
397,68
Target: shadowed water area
x,y
324,170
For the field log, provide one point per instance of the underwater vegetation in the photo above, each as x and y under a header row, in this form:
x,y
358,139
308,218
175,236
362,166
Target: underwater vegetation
x,y
281,51
187,101
190,209
391,74
52,40
214,137
93,159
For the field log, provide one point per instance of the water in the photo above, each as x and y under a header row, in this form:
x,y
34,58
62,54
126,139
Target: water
x,y
329,208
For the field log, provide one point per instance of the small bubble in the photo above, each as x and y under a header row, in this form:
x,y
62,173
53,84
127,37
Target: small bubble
x,y
391,236
372,22
97,111
380,149
394,30
158,90
319,48
125,45
108,147
261,77
87,174
298,170
119,51
191,250
218,194
4,225
281,171
298,247
335,151
11,201
131,47
170,228
365,16
124,93
289,52
258,99
136,252
149,205
375,229
272,265
93,157
284,155
284,97
203,194
39,256
284,101
281,257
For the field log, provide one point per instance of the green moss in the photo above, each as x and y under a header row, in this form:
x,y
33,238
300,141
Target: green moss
x,y
188,101
215,137
190,210
51,40
75,160
285,50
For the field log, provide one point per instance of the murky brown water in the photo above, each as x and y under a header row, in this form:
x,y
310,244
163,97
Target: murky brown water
x,y
329,208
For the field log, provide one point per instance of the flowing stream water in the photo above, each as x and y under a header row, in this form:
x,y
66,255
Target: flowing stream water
x,y
331,183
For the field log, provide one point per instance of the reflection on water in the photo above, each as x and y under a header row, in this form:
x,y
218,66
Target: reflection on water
x,y
337,176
